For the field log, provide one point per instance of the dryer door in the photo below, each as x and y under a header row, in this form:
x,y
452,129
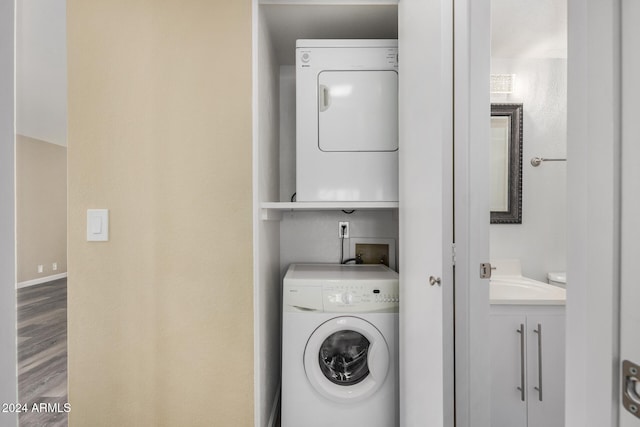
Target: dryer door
x,y
358,110
346,359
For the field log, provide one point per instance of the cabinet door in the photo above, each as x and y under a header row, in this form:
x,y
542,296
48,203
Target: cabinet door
x,y
508,370
545,371
630,236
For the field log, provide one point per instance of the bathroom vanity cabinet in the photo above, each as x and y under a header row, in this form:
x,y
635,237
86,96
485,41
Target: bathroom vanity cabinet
x,y
527,365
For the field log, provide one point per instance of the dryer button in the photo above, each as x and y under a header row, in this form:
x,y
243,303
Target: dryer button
x,y
347,298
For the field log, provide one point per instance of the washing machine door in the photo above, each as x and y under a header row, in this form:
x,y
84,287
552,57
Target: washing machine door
x,y
346,359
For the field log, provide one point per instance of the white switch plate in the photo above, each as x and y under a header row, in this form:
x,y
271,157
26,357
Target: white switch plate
x,y
97,225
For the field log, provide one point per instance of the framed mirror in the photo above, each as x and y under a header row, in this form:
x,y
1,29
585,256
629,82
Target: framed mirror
x,y
506,164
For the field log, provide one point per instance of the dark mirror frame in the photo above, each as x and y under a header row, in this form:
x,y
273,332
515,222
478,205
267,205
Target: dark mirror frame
x,y
514,213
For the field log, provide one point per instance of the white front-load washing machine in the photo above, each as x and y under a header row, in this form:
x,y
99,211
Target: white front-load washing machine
x,y
347,120
340,346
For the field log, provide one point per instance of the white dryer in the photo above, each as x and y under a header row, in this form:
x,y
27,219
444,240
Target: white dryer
x,y
346,120
340,346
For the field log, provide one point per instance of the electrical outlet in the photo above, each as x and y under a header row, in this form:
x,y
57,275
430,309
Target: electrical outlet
x,y
40,268
54,266
343,229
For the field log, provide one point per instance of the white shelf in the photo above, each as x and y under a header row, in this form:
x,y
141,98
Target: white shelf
x,y
273,210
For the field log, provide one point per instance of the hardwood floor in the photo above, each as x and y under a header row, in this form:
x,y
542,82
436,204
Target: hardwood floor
x,y
42,354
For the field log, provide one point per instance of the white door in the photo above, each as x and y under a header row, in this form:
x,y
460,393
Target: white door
x,y
426,125
425,214
630,221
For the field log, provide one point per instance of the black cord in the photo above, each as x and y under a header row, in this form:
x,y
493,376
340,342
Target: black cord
x,y
343,231
348,212
293,196
355,260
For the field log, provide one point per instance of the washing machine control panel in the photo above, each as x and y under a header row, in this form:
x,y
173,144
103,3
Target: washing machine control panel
x,y
356,297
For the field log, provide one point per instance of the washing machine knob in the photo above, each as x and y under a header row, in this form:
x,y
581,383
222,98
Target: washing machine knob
x,y
347,298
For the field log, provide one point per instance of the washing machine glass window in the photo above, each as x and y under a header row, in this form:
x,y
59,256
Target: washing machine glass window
x,y
343,357
346,359
358,110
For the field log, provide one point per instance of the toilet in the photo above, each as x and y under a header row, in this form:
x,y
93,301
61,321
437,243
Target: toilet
x,y
558,278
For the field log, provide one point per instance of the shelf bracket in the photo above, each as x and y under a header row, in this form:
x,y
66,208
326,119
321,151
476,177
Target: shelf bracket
x,y
267,214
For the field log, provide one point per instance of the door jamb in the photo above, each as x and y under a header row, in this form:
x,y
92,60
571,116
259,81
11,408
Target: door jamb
x,y
472,55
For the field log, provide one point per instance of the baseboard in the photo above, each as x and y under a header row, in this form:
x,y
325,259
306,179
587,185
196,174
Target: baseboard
x,y
273,418
40,280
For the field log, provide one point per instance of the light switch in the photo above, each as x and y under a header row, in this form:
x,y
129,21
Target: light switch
x,y
97,225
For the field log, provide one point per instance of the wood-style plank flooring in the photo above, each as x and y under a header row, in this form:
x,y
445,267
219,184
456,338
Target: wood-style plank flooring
x,y
42,353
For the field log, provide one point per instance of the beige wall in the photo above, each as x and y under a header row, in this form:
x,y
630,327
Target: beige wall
x,y
161,316
41,208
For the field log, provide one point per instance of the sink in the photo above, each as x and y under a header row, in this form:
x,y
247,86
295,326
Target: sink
x,y
522,290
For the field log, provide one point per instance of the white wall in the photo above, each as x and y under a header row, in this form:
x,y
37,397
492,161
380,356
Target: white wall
x,y
533,29
320,230
540,241
41,210
267,289
41,70
8,380
287,132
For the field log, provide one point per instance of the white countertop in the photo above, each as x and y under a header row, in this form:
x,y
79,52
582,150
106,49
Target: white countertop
x,y
519,290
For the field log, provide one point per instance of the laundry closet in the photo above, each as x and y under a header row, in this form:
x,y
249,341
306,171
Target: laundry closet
x,y
297,217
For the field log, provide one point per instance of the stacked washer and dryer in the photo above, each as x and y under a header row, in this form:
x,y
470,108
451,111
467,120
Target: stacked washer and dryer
x,y
340,322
